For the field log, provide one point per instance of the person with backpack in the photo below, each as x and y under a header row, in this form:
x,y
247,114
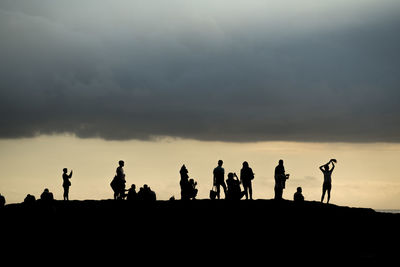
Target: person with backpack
x,y
246,176
118,182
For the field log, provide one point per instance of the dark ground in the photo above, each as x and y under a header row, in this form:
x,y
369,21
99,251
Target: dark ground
x,y
200,232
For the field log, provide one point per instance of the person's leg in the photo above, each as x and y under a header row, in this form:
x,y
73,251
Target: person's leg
x,y
250,191
323,195
329,195
218,190
224,187
246,188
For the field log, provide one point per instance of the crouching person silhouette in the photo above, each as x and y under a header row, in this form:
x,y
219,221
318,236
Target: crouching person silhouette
x,y
234,192
280,180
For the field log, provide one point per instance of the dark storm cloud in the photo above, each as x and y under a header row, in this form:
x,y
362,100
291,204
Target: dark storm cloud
x,y
249,71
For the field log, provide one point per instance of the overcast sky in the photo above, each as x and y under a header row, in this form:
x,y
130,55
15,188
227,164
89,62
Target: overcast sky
x,y
209,70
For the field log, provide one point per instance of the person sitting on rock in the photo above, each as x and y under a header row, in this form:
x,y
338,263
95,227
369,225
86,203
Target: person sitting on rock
x,y
132,195
46,195
298,197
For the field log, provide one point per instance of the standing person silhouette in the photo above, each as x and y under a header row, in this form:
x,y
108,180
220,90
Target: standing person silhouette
x,y
66,183
121,180
280,180
246,175
327,185
118,182
219,179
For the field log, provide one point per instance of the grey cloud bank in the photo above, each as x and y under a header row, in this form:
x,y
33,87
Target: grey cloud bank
x,y
207,70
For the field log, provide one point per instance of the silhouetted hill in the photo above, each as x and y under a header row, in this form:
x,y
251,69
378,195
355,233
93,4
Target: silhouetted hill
x,y
206,231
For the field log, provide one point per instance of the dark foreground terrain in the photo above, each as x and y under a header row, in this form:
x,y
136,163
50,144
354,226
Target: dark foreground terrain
x,y
200,232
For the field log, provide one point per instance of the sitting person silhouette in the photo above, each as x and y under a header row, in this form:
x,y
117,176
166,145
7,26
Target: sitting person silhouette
x,y
193,189
132,195
298,197
233,191
46,195
29,199
188,187
146,194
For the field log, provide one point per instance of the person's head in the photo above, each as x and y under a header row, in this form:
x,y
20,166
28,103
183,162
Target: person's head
x,y
245,164
145,186
299,190
220,162
326,167
46,190
281,162
183,169
65,170
121,163
133,186
230,175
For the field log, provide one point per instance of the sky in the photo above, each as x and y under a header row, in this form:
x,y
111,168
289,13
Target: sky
x,y
318,77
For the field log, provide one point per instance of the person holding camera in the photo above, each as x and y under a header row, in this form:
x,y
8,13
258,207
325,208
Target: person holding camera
x,y
280,180
66,183
234,192
327,185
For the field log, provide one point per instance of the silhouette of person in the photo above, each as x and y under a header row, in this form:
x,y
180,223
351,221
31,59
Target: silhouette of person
x,y
29,199
46,196
188,186
2,201
146,194
298,197
132,195
118,183
193,190
246,175
233,192
280,180
219,179
66,183
184,182
327,185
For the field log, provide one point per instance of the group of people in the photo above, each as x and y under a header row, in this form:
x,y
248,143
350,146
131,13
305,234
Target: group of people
x,y
231,188
188,186
118,186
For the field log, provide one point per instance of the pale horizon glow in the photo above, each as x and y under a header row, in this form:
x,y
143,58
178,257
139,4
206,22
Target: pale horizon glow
x,y
365,175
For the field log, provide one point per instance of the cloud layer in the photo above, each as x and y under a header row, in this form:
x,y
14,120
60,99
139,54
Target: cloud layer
x,y
206,70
